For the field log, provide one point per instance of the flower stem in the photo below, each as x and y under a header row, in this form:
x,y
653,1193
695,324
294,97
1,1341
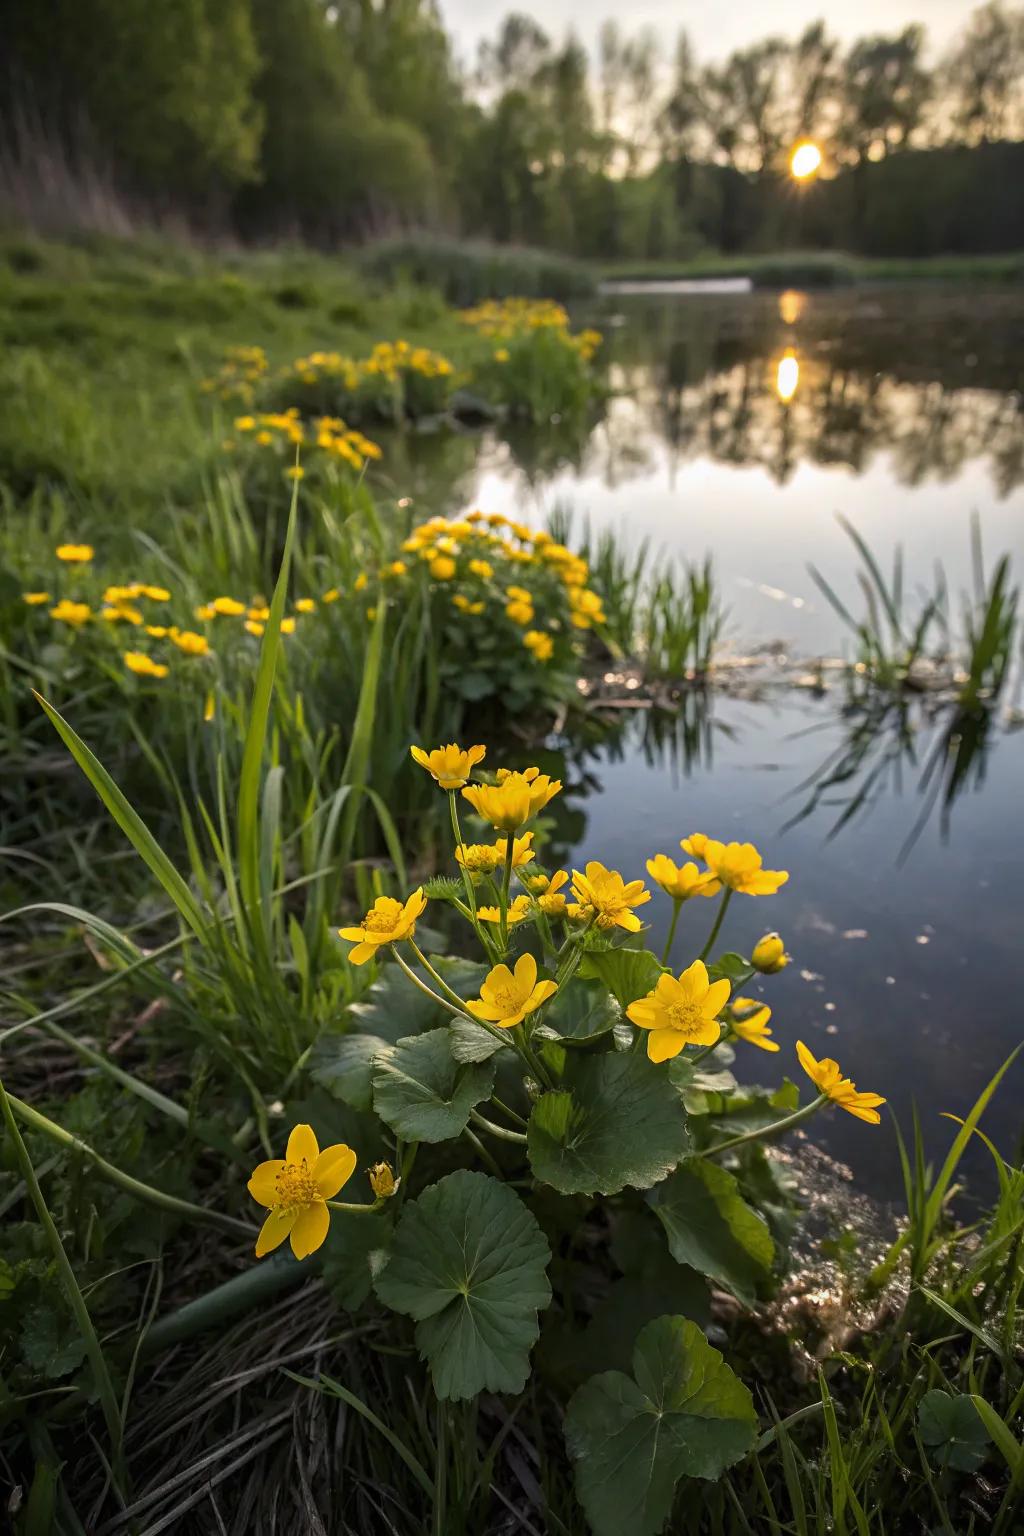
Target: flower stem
x,y
506,885
505,1036
467,878
719,920
445,988
115,1175
356,1209
484,1153
506,1109
677,907
769,1130
496,1130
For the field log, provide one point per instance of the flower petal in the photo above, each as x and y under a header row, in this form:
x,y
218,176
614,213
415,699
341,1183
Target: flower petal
x,y
663,1043
716,998
302,1143
361,954
274,1231
263,1184
644,1013
333,1168
694,982
525,973
310,1229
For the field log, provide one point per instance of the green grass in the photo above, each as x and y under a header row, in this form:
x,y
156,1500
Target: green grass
x,y
824,269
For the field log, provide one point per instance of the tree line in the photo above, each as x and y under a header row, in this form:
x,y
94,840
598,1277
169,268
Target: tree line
x,y
334,121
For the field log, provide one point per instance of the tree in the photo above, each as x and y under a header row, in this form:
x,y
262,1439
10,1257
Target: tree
x,y
884,92
983,76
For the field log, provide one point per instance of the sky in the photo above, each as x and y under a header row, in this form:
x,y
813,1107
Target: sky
x,y
715,29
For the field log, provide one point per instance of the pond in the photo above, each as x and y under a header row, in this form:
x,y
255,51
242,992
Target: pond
x,y
740,425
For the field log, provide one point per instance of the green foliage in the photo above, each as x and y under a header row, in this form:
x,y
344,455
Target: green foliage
x,y
712,1228
682,1413
467,271
468,1266
616,1121
952,1430
423,1093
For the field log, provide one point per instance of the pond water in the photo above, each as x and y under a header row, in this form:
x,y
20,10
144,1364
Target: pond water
x,y
904,410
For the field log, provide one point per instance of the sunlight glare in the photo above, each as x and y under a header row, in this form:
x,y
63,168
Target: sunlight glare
x,y
787,377
805,160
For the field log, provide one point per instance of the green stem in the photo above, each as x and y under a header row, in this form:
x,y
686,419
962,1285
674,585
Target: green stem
x,y
506,885
507,1110
115,1175
485,1154
101,1376
769,1130
453,997
677,907
723,1037
356,1209
461,1012
719,920
467,878
496,1130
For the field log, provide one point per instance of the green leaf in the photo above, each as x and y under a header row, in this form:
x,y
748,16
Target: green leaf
x,y
343,1064
355,1251
617,1121
580,1013
394,1007
733,967
950,1427
423,1093
468,1263
683,1413
628,973
711,1227
471,1042
696,1083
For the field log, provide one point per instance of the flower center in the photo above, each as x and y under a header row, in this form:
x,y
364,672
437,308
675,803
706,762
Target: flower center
x,y
685,1017
296,1187
507,1000
382,919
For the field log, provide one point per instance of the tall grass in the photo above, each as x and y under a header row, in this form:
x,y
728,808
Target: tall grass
x,y
466,271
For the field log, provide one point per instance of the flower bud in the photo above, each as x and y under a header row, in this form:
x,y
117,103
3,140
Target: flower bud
x,y
382,1180
769,955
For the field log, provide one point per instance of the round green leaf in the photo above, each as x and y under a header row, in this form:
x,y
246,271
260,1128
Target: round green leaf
x,y
343,1064
952,1429
712,1228
617,1121
628,973
683,1413
580,1015
423,1093
468,1263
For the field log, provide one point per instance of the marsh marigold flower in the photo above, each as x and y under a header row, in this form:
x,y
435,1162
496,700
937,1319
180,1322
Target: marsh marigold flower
x,y
518,909
680,1011
516,797
751,1023
551,900
75,554
539,644
519,612
736,865
305,605
35,599
442,567
382,1180
507,997
605,892
143,665
230,607
484,858
769,955
67,612
828,1079
449,766
192,644
295,1189
681,881
387,922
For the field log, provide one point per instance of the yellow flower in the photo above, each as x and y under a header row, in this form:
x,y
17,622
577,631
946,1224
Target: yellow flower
x,y
295,1189
158,631
143,665
519,595
288,626
449,766
397,568
35,599
361,582
519,612
192,644
481,568
254,627
68,612
442,567
484,858
332,595
75,554
681,881
752,1024
386,922
258,611
206,611
305,605
539,643
769,955
295,472
209,708
464,605
516,798
606,893
155,594
501,355
122,613
506,997
827,1078
229,606
680,1011
518,908
551,901
382,1180
736,865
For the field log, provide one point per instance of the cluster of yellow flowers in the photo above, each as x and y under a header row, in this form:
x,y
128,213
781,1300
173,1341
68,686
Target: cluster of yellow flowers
x,y
505,320
388,360
238,377
286,429
469,551
690,1009
119,604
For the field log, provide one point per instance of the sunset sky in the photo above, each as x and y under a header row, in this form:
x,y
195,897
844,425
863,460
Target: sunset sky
x,y
715,29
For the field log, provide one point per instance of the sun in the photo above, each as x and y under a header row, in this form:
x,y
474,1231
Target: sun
x,y
805,160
